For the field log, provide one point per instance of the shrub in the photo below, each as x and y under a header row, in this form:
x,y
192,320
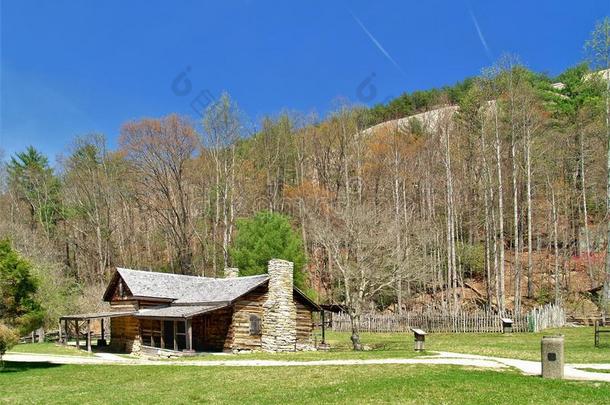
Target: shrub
x,y
8,339
19,307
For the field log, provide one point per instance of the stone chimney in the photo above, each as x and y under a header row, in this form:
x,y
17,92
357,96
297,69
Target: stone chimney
x,y
231,272
279,311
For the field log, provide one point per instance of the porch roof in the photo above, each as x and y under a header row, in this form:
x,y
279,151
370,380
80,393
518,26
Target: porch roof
x,y
97,315
178,311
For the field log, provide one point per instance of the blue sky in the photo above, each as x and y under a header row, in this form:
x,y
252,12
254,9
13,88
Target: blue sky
x,y
70,68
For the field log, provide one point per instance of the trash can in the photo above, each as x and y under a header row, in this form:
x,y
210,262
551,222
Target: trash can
x,y
507,325
552,356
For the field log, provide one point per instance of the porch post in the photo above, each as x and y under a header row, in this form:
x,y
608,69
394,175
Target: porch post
x,y
175,332
102,326
89,335
77,330
189,335
162,334
66,332
61,341
323,328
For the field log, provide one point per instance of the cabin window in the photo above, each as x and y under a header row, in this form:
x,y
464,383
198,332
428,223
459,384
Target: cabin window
x,y
255,325
121,290
151,332
180,335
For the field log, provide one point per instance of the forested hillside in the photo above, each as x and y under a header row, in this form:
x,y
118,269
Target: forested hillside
x,y
497,184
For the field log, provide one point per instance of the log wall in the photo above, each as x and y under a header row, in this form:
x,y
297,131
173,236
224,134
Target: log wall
x,y
239,337
125,333
211,330
124,330
304,324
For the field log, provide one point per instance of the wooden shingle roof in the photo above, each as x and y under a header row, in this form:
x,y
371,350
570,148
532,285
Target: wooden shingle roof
x,y
184,289
190,290
177,311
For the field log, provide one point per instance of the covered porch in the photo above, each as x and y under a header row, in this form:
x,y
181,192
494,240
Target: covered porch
x,y
76,321
186,328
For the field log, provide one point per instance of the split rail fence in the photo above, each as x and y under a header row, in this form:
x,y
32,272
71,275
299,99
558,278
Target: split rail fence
x,y
548,316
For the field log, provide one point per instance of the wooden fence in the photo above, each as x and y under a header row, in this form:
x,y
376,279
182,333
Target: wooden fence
x,y
549,316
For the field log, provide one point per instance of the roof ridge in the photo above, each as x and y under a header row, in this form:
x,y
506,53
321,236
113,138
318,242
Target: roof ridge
x,y
159,272
190,276
184,288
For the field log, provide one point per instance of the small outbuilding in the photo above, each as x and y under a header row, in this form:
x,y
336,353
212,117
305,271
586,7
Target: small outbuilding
x,y
174,312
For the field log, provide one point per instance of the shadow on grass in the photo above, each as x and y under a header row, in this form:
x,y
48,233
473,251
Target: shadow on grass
x,y
16,367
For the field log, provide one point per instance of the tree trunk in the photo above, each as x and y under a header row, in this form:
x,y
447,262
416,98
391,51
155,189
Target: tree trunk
x,y
584,208
516,247
501,296
528,167
397,230
606,292
355,337
555,245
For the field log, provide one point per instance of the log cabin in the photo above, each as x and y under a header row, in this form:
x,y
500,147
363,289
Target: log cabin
x,y
153,311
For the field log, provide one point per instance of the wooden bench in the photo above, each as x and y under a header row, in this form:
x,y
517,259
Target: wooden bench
x,y
601,326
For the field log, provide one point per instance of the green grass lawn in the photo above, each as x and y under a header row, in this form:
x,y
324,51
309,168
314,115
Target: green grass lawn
x,y
48,384
380,345
578,343
578,346
49,348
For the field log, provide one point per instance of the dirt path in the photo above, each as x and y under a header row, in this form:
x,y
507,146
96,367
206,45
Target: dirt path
x,y
528,367
571,371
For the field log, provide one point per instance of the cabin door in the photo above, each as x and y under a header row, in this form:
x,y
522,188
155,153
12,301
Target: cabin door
x,y
168,334
199,333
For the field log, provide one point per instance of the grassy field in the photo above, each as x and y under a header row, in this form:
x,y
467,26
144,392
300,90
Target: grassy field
x,y
48,348
578,346
48,384
578,342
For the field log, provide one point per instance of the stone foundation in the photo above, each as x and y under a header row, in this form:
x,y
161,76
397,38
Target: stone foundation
x,y
136,346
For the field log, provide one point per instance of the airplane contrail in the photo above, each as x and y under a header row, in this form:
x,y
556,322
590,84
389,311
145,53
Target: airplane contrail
x,y
377,43
481,37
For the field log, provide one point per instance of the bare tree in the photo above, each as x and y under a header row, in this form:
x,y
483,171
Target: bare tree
x,y
159,151
498,152
599,46
444,127
91,179
223,127
358,239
